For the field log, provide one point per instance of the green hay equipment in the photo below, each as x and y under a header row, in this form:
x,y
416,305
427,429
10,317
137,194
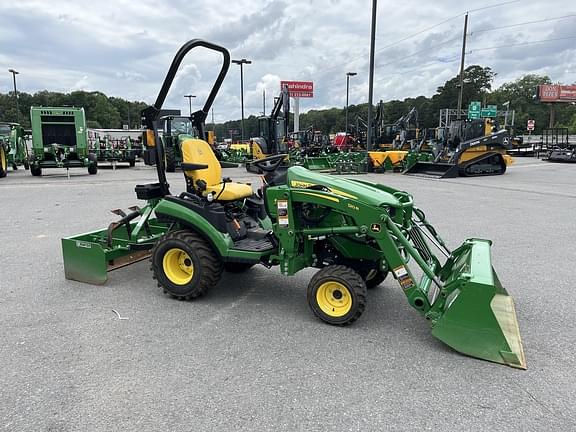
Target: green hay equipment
x,y
13,149
355,232
60,140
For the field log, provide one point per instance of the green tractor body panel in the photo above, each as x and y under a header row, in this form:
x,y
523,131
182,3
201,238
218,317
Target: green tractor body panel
x,y
175,212
59,138
368,193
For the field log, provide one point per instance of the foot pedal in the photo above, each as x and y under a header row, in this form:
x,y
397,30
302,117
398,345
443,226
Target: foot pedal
x,y
118,212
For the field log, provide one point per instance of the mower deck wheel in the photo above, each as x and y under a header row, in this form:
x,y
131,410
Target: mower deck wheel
x,y
337,295
185,265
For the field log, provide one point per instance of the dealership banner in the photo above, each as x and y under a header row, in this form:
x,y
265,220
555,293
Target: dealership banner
x,y
299,88
556,93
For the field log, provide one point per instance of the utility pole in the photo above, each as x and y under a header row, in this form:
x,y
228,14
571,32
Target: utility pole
x,y
264,102
190,96
371,74
14,73
348,75
461,90
242,62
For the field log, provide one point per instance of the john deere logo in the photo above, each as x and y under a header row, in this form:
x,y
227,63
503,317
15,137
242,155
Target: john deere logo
x,y
375,227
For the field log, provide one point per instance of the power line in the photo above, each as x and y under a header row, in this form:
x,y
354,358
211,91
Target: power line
x,y
427,49
353,59
521,44
521,24
418,33
493,6
452,59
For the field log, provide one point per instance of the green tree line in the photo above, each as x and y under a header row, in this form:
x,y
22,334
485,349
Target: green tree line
x,y
101,111
521,95
113,112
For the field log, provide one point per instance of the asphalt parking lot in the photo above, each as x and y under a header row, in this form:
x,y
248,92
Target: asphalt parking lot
x,y
251,355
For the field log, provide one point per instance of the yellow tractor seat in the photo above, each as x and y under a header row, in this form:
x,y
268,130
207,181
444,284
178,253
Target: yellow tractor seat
x,y
198,152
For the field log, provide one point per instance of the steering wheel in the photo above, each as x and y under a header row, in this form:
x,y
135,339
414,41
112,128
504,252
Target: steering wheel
x,y
271,163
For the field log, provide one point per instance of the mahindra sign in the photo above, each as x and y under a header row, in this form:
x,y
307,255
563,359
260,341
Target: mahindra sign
x,y
299,88
556,93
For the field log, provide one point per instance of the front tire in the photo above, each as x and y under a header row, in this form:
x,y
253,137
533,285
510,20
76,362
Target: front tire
x,y
185,265
3,162
35,170
93,165
337,295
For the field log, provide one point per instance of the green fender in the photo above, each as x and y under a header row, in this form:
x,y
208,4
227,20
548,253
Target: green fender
x,y
221,242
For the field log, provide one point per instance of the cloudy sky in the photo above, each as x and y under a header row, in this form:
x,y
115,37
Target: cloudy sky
x,y
124,47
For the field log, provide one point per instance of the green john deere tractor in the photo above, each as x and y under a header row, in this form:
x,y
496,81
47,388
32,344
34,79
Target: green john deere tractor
x,y
13,150
354,232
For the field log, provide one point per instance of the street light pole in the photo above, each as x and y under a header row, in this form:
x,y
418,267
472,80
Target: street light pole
x,y
190,96
348,75
242,62
14,73
371,74
461,78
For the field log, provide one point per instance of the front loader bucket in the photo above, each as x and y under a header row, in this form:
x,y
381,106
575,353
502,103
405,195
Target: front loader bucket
x,y
433,169
477,316
315,163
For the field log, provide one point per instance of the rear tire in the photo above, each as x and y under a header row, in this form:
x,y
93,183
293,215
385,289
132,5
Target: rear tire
x,y
170,159
93,165
337,295
185,265
3,162
35,170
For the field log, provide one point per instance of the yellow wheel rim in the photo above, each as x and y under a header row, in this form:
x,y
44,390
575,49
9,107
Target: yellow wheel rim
x,y
3,161
178,266
334,299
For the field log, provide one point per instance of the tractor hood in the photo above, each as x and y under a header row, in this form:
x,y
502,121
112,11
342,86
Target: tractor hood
x,y
368,193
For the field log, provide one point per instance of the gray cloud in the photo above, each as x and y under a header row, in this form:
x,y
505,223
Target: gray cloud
x,y
124,49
